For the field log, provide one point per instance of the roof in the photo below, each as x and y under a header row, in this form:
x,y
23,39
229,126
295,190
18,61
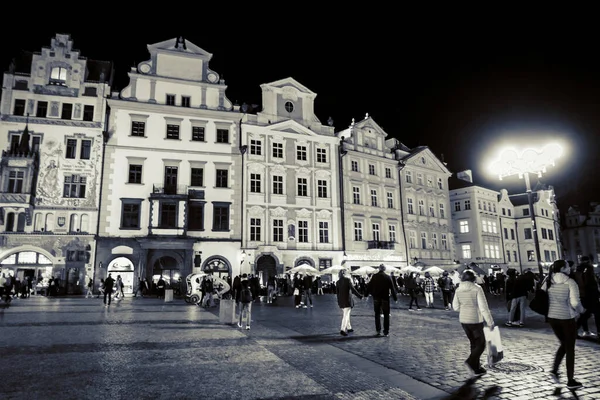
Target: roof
x,y
521,199
455,183
21,63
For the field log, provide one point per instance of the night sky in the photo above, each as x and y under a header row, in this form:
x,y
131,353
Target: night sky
x,y
461,90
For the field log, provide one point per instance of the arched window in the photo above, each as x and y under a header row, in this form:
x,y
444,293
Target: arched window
x,y
21,222
85,223
74,223
37,222
49,226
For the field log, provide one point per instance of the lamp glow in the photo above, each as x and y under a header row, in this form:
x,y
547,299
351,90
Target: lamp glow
x,y
513,162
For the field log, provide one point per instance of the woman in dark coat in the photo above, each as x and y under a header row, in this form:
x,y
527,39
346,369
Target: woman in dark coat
x,y
345,301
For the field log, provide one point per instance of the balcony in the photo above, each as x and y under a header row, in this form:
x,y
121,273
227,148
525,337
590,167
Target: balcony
x,y
380,245
161,191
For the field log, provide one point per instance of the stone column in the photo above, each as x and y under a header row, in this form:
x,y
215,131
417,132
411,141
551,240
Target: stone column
x,y
152,91
133,84
203,97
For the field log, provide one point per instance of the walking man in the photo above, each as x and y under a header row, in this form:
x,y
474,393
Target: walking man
x,y
108,289
379,287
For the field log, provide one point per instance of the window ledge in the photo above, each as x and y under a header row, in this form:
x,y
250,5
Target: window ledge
x,y
137,136
129,229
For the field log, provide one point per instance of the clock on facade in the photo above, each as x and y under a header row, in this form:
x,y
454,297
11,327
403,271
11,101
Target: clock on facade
x,y
144,68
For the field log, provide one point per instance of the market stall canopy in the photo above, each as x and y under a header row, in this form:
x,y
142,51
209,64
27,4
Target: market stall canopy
x,y
304,269
435,271
334,269
364,271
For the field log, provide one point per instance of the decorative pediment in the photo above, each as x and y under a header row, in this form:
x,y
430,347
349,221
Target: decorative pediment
x,y
256,168
423,157
303,171
277,170
304,213
277,212
324,214
289,85
291,126
179,44
322,173
368,125
256,211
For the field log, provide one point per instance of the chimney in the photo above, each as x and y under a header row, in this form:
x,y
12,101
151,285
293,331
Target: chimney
x,y
465,175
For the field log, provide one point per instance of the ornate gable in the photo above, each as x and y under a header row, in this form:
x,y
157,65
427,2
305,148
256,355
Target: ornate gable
x,y
423,157
180,44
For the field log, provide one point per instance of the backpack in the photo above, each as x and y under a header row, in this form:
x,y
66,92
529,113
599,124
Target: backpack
x,y
246,295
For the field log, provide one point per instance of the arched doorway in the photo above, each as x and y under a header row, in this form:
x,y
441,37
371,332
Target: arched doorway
x,y
217,266
29,265
122,266
266,266
168,268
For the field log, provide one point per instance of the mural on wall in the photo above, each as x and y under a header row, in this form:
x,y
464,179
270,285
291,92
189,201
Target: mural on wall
x,y
54,167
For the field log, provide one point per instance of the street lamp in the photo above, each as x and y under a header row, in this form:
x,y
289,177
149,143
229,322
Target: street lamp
x,y
529,161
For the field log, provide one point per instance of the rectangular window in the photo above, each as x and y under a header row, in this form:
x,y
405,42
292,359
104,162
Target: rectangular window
x,y
512,234
321,155
67,111
388,173
256,147
528,233
130,214
464,226
197,177
277,150
467,204
301,153
442,213
530,255
19,107
390,200
505,233
376,232
170,100
354,165
168,215
303,231
198,133
255,183
42,109
457,206
547,256
392,233
88,113
302,187
356,195
138,128
371,169
515,256
86,149
15,181
220,217
74,186
322,189
410,207
440,183
358,231
186,101
544,233
277,184
412,239
444,241
550,234
373,197
508,256
135,173
323,232
278,230
509,212
222,180
434,240
172,131
255,231
408,176
466,251
525,212
431,210
71,151
430,181
423,240
222,135
196,216
420,179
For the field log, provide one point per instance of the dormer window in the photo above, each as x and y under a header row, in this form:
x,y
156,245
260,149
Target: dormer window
x,y
289,106
58,76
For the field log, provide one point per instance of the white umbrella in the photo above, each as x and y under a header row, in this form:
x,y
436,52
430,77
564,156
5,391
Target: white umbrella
x,y
364,271
389,269
334,269
410,268
434,270
304,269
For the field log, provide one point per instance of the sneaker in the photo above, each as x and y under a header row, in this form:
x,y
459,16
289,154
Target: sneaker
x,y
521,325
297,306
586,334
386,335
555,377
479,371
508,323
343,333
410,309
350,330
239,325
418,309
378,334
247,327
573,384
311,306
304,307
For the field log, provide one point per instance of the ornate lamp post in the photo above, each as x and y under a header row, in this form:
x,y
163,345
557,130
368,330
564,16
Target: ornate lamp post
x,y
529,161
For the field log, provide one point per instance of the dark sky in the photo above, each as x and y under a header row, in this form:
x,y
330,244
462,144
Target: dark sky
x,y
459,88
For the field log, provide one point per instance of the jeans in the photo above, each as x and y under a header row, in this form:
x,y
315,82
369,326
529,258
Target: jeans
x,y
429,298
382,306
413,297
447,296
346,319
518,302
107,294
477,340
307,296
566,332
246,313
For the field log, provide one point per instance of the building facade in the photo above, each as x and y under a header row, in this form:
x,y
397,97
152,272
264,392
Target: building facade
x,y
290,187
171,175
371,207
581,235
425,206
52,118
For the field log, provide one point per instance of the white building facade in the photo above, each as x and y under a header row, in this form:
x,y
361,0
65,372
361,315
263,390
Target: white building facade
x,y
290,187
171,172
51,133
371,208
581,235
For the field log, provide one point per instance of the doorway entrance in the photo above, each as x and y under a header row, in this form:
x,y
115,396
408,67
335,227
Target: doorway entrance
x,y
266,267
124,267
168,268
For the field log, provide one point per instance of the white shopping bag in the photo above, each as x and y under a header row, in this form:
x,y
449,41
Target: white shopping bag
x,y
495,352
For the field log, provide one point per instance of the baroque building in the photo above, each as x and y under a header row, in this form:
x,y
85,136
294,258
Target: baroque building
x,y
371,207
581,235
171,172
51,133
290,195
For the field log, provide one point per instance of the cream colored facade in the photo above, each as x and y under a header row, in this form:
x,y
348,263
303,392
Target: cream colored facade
x,y
51,135
171,176
290,189
372,207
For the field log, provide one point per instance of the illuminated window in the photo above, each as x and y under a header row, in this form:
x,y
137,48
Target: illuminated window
x,y
58,76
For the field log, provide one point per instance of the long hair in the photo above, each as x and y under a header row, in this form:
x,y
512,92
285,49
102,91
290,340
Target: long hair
x,y
554,269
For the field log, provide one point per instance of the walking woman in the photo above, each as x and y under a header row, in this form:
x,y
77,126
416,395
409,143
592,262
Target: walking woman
x,y
411,287
470,302
564,308
345,288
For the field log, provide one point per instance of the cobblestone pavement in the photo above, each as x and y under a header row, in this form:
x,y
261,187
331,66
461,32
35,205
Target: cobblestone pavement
x,y
74,348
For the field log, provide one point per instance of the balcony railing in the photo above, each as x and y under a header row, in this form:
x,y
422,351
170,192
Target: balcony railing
x,y
170,189
380,244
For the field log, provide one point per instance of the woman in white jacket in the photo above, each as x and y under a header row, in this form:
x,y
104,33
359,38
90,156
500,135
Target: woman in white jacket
x,y
470,302
564,308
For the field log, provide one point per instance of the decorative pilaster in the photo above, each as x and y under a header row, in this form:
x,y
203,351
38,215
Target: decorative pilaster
x,y
203,98
152,91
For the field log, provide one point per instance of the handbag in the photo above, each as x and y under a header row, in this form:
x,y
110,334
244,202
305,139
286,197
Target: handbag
x,y
495,352
540,302
296,292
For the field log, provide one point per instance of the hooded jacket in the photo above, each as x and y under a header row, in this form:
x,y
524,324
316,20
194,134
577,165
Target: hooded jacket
x,y
469,300
563,297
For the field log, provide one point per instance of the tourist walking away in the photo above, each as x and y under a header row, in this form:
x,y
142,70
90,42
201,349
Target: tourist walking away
x,y
108,289
298,289
308,281
447,287
411,288
379,287
429,287
245,299
564,307
271,286
471,304
160,288
119,288
345,289
516,290
90,288
588,293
